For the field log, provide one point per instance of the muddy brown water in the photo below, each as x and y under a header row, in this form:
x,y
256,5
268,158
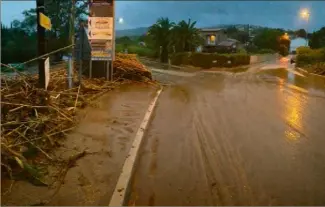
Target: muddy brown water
x,y
235,139
106,130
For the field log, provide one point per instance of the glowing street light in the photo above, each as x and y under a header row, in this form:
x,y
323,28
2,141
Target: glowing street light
x,y
120,20
304,14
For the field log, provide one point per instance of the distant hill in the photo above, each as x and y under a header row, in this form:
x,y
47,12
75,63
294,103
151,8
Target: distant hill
x,y
132,32
143,30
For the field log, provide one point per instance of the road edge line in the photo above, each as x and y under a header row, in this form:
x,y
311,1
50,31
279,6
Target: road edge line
x,y
121,189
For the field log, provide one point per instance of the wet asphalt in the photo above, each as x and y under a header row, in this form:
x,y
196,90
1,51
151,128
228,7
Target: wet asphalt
x,y
249,138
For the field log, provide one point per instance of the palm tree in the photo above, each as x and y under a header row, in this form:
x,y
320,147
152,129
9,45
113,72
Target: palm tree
x,y
161,33
186,36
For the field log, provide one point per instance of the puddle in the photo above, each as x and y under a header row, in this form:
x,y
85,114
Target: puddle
x,y
295,80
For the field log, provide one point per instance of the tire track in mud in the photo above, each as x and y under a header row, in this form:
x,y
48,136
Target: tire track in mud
x,y
223,140
221,158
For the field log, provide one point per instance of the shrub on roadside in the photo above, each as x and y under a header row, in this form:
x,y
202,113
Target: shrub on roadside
x,y
307,56
209,60
303,50
182,58
135,49
141,51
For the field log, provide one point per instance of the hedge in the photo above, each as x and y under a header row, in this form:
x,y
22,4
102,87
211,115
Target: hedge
x,y
209,60
307,56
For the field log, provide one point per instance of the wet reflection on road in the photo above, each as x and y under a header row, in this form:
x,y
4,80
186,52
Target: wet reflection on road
x,y
235,139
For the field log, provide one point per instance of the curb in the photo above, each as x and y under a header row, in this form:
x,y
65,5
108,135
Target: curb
x,y
122,187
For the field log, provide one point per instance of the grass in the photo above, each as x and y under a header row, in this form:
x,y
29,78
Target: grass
x,y
136,49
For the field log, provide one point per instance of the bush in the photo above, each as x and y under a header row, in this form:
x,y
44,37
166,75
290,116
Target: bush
x,y
182,58
209,60
135,49
303,50
308,56
141,51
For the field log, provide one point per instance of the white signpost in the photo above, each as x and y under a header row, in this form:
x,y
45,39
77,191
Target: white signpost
x,y
47,72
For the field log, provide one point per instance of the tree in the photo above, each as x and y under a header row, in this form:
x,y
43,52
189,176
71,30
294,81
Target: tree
x,y
17,45
186,36
268,39
234,33
125,41
19,42
161,33
317,39
301,33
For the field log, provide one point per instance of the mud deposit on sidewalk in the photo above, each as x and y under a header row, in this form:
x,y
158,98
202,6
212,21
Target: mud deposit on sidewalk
x,y
106,131
230,139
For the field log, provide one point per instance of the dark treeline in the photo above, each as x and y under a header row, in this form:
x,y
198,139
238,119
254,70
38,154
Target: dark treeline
x,y
19,40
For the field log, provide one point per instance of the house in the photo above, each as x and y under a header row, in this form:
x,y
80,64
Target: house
x,y
229,45
212,37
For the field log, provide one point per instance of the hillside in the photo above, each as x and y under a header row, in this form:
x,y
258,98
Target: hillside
x,y
143,30
132,32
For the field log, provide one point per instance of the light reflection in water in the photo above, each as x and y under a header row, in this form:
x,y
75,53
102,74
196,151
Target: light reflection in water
x,y
293,116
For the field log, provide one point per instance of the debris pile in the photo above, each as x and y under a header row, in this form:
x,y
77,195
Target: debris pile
x,y
34,121
127,66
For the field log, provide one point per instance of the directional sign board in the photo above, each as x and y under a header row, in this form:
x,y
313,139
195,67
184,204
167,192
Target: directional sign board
x,y
101,29
44,21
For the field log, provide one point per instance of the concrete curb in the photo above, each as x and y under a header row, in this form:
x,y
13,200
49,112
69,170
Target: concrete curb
x,y
122,187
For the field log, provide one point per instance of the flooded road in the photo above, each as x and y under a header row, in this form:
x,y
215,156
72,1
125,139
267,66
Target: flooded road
x,y
235,139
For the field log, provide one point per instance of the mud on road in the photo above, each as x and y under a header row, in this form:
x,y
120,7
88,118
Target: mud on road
x,y
235,139
106,131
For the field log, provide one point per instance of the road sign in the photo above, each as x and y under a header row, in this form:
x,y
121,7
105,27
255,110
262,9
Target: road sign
x,y
100,28
44,21
47,72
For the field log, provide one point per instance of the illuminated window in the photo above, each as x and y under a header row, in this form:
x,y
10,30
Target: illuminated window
x,y
212,40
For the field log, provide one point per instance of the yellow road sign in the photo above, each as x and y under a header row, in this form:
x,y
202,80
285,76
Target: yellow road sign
x,y
44,21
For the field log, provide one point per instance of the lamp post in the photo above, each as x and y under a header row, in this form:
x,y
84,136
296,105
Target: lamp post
x,y
305,14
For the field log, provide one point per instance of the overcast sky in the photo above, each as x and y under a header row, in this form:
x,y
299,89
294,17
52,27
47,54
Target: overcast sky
x,y
279,14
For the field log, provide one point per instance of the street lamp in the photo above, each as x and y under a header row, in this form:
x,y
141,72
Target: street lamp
x,y
305,14
120,20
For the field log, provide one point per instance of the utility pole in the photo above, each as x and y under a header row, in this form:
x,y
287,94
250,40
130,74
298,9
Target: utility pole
x,y
40,8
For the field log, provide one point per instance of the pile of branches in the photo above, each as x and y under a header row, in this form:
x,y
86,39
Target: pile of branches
x,y
127,66
34,120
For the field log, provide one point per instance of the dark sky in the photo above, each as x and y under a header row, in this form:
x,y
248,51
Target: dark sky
x,y
280,14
